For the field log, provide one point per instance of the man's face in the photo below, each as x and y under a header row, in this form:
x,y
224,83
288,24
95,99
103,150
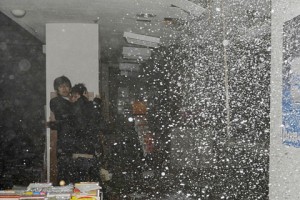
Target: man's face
x,y
64,90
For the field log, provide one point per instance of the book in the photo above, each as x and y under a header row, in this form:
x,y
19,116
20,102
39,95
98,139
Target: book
x,y
9,196
87,188
32,197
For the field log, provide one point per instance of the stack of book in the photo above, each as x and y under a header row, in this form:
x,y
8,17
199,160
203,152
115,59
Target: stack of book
x,y
9,195
36,191
45,191
60,192
87,191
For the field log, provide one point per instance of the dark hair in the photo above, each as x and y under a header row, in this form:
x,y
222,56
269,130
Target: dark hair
x,y
79,88
61,80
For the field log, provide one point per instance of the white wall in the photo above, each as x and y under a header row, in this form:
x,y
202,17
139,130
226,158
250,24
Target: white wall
x,y
284,160
71,50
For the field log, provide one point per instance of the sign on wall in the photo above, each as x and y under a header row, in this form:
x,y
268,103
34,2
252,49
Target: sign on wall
x,y
291,83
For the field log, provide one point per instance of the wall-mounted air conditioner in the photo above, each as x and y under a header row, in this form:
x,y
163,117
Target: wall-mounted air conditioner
x,y
136,53
142,40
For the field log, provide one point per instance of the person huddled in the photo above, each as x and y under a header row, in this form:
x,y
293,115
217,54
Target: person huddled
x,y
87,117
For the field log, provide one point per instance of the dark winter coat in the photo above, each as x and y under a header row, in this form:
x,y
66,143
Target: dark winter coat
x,y
64,124
87,118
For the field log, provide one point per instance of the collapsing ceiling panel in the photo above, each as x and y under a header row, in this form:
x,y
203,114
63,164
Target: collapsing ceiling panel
x,y
189,7
128,73
254,32
142,40
136,53
129,67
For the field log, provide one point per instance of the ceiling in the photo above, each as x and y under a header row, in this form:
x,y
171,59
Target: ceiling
x,y
113,16
118,16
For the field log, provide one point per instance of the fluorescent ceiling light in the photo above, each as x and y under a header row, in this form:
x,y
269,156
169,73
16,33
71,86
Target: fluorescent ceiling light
x,y
18,13
142,40
145,17
136,53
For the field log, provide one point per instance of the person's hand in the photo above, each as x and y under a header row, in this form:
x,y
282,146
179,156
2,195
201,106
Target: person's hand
x,y
98,100
86,94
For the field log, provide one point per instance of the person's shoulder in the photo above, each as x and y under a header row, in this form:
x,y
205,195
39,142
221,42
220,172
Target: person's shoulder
x,y
59,100
54,103
54,100
80,101
97,100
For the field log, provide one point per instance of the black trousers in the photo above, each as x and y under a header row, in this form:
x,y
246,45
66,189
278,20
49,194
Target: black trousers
x,y
73,170
65,168
86,169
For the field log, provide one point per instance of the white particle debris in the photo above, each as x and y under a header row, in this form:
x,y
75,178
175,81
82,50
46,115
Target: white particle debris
x,y
225,43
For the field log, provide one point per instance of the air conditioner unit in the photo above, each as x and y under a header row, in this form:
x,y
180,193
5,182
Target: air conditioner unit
x,y
142,40
136,53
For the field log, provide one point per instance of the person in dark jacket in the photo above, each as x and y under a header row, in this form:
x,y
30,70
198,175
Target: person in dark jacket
x,y
87,118
64,123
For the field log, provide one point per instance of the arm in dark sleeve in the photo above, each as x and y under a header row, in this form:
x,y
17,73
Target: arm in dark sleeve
x,y
54,106
62,110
